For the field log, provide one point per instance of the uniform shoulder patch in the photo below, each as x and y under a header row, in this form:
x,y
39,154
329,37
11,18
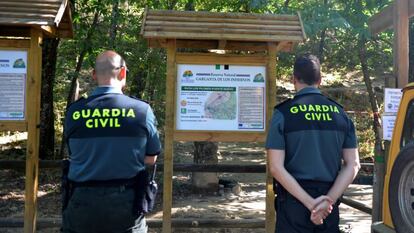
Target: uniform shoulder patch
x,y
334,102
283,103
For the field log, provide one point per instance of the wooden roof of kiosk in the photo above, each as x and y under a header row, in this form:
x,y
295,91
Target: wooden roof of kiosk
x,y
52,16
228,31
217,31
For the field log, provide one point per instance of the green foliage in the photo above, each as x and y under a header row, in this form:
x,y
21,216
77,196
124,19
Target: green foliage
x,y
336,30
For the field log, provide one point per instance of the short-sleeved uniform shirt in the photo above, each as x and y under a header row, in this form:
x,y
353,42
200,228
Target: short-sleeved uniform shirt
x,y
312,130
108,136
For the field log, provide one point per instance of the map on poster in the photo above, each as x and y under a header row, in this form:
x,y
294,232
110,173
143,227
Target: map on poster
x,y
221,97
13,70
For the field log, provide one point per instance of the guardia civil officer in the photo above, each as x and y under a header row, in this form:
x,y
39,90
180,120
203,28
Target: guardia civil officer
x,y
111,137
308,138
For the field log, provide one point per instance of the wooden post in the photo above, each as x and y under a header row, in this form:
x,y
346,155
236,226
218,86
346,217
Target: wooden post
x,y
33,116
271,101
169,135
401,42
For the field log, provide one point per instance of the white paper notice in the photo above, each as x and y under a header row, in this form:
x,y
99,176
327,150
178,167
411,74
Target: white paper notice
x,y
392,98
388,122
221,97
13,69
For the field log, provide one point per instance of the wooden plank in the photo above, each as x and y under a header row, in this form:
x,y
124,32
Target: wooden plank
x,y
27,15
144,20
24,22
33,117
356,205
206,14
153,223
169,133
384,19
213,44
270,103
11,44
213,58
49,31
219,136
61,11
27,10
301,25
150,25
401,42
33,5
222,44
203,30
295,36
257,22
13,126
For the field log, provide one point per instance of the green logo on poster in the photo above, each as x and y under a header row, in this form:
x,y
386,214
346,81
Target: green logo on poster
x,y
258,78
187,73
183,110
19,63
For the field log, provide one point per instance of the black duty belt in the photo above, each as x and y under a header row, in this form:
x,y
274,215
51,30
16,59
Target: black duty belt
x,y
106,183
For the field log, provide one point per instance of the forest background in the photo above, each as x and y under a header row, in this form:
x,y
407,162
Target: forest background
x,y
337,33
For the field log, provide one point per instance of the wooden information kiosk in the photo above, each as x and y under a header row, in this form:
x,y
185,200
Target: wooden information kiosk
x,y
200,85
23,24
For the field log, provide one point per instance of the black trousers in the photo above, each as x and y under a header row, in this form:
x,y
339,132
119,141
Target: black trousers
x,y
293,217
103,210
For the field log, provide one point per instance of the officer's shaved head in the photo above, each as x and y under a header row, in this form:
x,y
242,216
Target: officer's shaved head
x,y
307,69
108,64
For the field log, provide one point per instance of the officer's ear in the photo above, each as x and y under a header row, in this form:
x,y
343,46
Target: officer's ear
x,y
94,75
122,73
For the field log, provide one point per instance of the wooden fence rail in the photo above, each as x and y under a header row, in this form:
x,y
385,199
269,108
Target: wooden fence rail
x,y
43,223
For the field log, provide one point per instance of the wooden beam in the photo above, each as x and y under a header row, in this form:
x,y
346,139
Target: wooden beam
x,y
33,116
222,44
49,31
401,42
13,126
219,136
212,44
384,19
152,223
15,31
212,58
271,102
169,134
60,12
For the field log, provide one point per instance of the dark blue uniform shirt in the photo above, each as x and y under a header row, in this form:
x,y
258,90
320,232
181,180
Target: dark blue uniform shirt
x,y
312,130
108,136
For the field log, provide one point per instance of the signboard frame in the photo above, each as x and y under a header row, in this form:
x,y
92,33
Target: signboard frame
x,y
220,135
25,62
18,45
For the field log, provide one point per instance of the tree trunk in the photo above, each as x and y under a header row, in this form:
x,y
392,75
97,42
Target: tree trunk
x,y
205,153
323,36
74,85
47,116
379,168
114,24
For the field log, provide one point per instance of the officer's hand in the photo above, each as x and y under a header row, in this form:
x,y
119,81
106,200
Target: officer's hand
x,y
318,200
321,211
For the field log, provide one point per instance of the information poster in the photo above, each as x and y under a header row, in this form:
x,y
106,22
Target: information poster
x,y
388,122
221,97
13,70
392,98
